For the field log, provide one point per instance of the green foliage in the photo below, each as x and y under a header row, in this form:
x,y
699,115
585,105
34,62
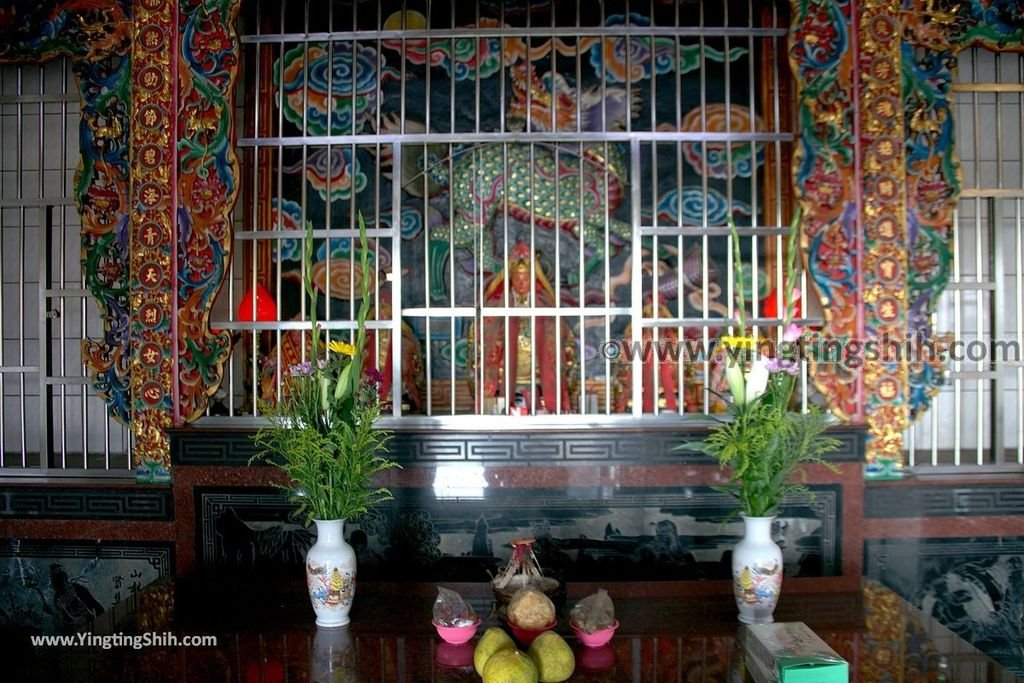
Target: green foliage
x,y
763,442
765,445
322,432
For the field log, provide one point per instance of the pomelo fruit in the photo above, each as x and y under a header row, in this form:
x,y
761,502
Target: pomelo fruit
x,y
493,640
510,666
553,657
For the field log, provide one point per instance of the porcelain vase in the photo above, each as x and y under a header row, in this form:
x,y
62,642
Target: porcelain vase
x,y
331,574
757,571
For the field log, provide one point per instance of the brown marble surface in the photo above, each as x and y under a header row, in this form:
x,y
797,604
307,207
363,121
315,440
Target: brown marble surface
x,y
265,633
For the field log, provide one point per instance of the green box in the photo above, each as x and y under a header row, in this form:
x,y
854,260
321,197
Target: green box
x,y
791,653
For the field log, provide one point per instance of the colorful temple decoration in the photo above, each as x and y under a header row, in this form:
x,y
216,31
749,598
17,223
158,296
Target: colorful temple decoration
x,y
101,196
207,186
176,237
824,170
97,40
883,273
151,247
876,173
875,170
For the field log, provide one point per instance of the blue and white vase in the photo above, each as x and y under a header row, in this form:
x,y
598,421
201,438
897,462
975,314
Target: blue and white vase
x,y
757,571
331,574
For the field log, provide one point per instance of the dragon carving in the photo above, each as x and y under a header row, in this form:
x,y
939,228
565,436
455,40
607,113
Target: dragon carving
x,y
576,187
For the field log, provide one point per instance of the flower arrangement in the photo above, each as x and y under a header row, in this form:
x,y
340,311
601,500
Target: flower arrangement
x,y
762,440
323,430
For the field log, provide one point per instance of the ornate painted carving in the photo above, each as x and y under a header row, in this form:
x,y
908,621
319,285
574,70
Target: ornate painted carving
x,y
101,196
897,240
80,29
932,35
883,210
96,38
207,188
153,308
824,177
933,184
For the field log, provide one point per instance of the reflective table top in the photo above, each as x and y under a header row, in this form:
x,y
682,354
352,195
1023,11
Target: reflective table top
x,y
264,632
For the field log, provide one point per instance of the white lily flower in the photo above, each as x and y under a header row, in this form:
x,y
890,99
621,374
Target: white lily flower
x,y
734,376
757,380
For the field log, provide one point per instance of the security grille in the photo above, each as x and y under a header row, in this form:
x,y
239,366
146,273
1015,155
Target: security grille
x,y
976,419
51,420
541,181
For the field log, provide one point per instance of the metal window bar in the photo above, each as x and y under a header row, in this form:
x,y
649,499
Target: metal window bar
x,y
420,123
52,423
983,306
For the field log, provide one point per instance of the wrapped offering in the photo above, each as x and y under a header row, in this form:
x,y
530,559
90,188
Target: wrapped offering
x,y
594,612
530,609
522,571
451,610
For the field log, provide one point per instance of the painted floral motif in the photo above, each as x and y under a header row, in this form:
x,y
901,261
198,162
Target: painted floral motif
x,y
820,39
693,202
461,59
722,159
339,78
647,56
211,50
335,168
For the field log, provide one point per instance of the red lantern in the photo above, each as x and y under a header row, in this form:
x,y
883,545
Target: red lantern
x,y
266,307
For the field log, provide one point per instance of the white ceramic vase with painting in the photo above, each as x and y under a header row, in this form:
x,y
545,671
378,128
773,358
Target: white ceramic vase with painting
x,y
757,571
331,574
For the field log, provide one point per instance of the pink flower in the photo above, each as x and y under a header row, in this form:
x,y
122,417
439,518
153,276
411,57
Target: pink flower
x,y
792,333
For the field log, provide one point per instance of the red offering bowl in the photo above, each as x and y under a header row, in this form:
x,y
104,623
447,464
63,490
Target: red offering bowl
x,y
597,638
527,636
457,635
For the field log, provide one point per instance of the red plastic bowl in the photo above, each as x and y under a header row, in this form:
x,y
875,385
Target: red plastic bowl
x,y
527,636
457,635
597,638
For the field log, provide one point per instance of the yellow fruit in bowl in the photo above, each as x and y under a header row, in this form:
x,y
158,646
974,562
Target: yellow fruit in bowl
x,y
494,640
553,657
510,666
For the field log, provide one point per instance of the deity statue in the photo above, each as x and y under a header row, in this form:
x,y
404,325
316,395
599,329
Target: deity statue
x,y
524,377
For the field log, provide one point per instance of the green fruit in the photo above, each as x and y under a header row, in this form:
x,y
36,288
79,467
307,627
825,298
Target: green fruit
x,y
553,657
510,666
493,640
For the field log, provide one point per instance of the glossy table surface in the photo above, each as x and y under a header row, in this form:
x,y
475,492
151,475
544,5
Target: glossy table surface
x,y
265,633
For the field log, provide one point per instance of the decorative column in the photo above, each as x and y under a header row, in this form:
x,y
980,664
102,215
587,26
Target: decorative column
x,y
151,244
883,275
